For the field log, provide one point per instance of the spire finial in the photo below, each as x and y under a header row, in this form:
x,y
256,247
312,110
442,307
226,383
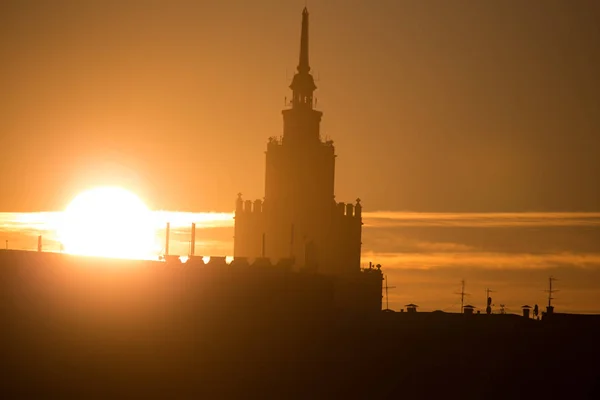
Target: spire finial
x,y
303,66
303,84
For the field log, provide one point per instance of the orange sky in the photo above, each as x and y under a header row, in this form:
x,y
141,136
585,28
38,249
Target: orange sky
x,y
433,105
424,255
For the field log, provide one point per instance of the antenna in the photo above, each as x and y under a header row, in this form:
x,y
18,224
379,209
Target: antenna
x,y
488,300
167,234
387,307
462,296
193,240
550,291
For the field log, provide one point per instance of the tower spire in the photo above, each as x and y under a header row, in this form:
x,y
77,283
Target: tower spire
x,y
303,84
303,65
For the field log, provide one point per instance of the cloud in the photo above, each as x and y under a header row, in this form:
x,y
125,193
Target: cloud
x,y
185,219
384,243
391,240
483,260
420,252
441,246
376,219
52,220
30,221
386,219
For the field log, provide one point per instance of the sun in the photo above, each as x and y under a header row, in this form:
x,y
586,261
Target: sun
x,y
107,222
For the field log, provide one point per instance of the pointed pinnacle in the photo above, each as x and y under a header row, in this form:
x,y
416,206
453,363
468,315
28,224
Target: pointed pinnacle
x,y
303,66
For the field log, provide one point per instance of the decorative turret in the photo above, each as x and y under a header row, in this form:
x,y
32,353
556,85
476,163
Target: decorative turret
x,y
358,209
239,204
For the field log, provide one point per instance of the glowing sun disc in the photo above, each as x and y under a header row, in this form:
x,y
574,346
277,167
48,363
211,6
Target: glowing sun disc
x,y
107,222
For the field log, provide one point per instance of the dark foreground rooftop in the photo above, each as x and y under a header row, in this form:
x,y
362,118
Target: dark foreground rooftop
x,y
110,334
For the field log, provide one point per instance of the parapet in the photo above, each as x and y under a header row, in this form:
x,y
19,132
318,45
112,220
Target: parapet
x,y
286,262
219,260
262,262
257,206
349,210
172,259
248,206
240,262
274,142
195,260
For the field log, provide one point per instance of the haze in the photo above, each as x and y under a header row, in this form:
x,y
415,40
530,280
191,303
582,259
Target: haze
x,y
433,105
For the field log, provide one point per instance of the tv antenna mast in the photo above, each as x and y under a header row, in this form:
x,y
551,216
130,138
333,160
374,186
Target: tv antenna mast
x,y
550,291
462,296
387,307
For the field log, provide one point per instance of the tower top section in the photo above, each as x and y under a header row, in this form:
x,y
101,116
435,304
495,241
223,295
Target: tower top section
x,y
303,84
303,65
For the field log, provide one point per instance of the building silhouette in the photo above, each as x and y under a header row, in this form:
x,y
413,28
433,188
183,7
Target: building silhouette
x,y
299,217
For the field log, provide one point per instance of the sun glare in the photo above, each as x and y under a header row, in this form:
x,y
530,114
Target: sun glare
x,y
107,222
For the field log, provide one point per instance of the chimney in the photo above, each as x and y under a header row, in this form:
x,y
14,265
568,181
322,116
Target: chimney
x,y
168,232
40,243
193,243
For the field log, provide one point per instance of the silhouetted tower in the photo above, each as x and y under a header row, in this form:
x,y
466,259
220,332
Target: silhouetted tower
x,y
550,308
299,217
300,167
